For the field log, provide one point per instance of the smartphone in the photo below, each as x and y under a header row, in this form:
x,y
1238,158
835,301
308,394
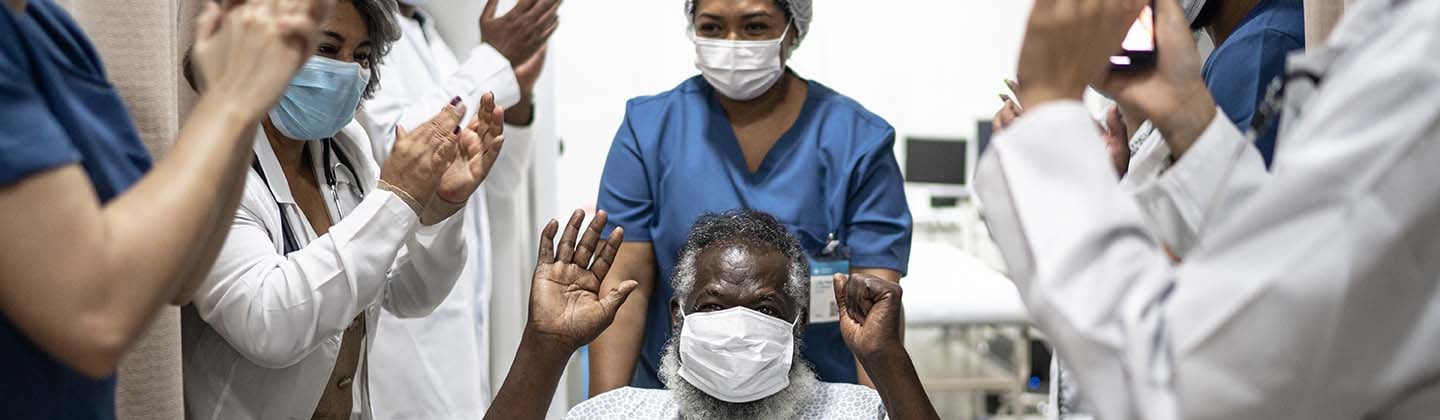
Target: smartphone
x,y
1138,50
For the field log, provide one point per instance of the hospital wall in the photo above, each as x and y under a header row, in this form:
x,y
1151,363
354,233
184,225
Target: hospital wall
x,y
931,68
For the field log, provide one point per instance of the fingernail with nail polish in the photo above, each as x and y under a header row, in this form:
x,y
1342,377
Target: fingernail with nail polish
x,y
457,130
455,101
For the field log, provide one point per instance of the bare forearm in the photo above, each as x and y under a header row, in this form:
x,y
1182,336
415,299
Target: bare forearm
x,y
170,226
105,270
532,380
218,230
899,386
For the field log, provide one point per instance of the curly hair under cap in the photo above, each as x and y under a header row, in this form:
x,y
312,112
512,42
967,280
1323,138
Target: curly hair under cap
x,y
744,227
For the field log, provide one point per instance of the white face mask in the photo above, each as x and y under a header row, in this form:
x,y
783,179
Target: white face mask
x,y
740,70
736,355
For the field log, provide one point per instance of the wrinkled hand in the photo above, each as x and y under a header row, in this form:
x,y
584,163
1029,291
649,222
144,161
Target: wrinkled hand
x,y
1173,94
1068,44
565,304
872,319
248,52
522,31
420,157
480,144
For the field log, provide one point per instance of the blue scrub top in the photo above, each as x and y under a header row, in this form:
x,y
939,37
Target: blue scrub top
x,y
676,157
57,109
1239,72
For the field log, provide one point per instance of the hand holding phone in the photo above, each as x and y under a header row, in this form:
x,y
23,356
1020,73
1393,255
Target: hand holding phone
x,y
1138,50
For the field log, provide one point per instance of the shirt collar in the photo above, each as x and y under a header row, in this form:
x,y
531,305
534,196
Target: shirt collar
x,y
274,175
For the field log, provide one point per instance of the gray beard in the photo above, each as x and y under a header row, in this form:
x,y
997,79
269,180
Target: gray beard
x,y
695,404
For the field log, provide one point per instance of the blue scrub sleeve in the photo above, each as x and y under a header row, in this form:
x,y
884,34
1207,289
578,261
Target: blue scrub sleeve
x,y
879,223
31,139
625,189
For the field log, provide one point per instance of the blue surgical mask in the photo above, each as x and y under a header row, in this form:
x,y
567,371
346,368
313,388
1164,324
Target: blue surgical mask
x,y
321,99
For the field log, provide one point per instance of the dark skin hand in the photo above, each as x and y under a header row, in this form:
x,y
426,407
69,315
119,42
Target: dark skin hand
x,y
520,35
872,321
566,311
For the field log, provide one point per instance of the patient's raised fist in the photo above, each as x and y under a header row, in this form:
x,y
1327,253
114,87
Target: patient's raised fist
x,y
872,319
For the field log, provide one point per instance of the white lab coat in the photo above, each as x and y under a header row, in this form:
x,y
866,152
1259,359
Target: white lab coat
x,y
1180,199
1316,299
436,367
265,329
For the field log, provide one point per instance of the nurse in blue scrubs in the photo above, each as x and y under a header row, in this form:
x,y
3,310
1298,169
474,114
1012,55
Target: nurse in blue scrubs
x,y
1253,38
747,133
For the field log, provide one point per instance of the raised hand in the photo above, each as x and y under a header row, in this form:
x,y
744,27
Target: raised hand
x,y
1068,44
566,308
480,144
872,319
522,31
872,322
420,157
248,52
1173,94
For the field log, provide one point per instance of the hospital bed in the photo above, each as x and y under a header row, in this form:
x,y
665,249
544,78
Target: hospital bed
x,y
956,306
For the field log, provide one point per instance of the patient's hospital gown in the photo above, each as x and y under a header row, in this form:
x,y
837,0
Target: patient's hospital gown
x,y
831,401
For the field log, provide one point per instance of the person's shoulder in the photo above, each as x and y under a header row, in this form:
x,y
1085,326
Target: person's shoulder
x,y
1275,23
624,404
689,90
832,104
846,401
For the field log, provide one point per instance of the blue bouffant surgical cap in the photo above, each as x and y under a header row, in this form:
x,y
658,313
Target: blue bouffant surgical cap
x,y
799,12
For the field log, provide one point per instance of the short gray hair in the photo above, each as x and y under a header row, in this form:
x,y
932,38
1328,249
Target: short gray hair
x,y
744,227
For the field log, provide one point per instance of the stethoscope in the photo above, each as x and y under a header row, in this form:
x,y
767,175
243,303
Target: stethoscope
x,y
291,243
330,179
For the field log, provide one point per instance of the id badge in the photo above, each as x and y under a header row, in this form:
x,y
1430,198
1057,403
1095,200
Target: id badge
x,y
824,264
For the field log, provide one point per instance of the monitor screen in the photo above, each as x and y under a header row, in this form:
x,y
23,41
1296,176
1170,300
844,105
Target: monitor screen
x,y
935,161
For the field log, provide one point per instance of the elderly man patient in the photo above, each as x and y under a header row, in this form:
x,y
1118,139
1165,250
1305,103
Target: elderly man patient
x,y
741,298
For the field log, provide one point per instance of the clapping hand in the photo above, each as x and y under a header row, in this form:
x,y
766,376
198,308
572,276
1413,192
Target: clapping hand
x,y
420,157
872,319
566,308
247,52
479,146
520,33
